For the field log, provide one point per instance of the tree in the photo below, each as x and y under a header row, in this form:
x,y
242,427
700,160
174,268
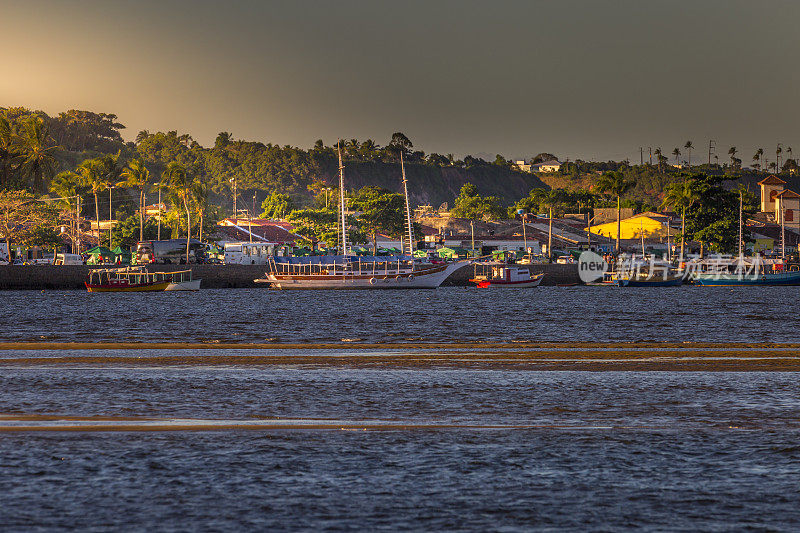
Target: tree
x,y
469,204
732,152
714,217
223,139
759,156
177,181
128,232
382,211
689,147
677,153
315,225
142,135
36,148
681,196
778,151
26,221
543,157
616,184
136,176
659,155
277,205
200,199
69,187
399,143
91,171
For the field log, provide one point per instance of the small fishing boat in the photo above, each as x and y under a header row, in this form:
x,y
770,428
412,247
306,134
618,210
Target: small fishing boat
x,y
182,281
128,279
504,275
724,272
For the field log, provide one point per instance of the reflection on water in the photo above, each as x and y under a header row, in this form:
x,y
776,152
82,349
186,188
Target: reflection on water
x,y
447,314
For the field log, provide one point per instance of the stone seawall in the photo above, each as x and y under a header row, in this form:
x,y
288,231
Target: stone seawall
x,y
39,277
554,274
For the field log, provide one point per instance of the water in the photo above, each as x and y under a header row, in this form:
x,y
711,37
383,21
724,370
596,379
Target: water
x,y
746,314
322,447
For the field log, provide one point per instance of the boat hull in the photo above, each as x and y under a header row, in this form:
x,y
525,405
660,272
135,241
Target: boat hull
x,y
192,285
534,282
140,287
735,280
429,278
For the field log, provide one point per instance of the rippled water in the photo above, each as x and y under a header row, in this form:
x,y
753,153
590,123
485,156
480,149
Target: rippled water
x,y
683,451
580,451
446,314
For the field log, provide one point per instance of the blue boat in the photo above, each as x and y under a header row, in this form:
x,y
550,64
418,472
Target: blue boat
x,y
707,279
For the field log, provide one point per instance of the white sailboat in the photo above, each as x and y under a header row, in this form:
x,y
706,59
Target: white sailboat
x,y
353,272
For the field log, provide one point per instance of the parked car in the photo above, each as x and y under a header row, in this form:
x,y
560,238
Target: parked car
x,y
68,259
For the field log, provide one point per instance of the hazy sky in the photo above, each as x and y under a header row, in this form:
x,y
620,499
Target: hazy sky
x,y
582,79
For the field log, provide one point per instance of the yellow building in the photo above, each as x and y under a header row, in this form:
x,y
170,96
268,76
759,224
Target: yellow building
x,y
650,224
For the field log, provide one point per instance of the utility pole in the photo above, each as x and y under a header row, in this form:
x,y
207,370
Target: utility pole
x,y
109,216
550,236
408,209
472,232
341,198
159,214
650,149
740,226
641,156
235,193
712,147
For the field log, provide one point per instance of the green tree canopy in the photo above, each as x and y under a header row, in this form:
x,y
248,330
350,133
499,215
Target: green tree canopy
x,y
469,204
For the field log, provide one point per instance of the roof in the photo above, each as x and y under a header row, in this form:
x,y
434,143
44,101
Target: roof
x,y
786,193
268,231
772,179
255,222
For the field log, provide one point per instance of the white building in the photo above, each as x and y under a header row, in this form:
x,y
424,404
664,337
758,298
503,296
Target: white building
x,y
546,166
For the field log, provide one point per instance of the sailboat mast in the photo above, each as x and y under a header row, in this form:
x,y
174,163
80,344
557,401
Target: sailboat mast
x,y
740,225
783,233
341,199
408,208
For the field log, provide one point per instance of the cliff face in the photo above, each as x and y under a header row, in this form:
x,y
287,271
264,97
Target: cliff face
x,y
435,185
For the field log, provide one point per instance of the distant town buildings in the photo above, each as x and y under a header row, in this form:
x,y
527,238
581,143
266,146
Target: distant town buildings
x,y
545,166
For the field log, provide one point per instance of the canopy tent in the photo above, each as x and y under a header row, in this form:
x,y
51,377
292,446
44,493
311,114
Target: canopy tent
x,y
121,255
452,253
100,254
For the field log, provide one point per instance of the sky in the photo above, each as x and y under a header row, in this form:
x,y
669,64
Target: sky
x,y
593,80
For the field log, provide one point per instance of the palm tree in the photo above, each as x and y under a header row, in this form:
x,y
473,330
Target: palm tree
x,y
615,184
35,146
689,146
91,171
677,153
200,193
758,157
142,135
69,187
176,179
136,176
658,158
778,151
7,154
682,196
732,152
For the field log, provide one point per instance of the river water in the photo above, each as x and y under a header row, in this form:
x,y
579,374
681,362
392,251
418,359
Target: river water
x,y
299,447
705,314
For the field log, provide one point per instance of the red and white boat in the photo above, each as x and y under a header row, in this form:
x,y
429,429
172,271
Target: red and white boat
x,y
503,275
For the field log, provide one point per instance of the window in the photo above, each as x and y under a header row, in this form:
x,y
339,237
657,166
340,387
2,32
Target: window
x,y
772,194
789,216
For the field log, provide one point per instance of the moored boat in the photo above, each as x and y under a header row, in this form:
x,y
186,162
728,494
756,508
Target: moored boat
x,y
128,279
504,275
349,272
183,281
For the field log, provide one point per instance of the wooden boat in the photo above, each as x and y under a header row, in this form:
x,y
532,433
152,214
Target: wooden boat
x,y
345,272
128,279
182,281
503,275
